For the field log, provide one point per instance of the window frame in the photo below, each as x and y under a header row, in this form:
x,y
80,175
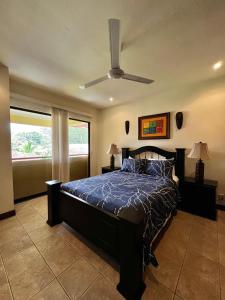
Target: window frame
x,y
35,112
89,144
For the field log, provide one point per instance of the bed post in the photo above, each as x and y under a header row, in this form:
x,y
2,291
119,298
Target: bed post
x,y
131,284
53,202
125,153
180,166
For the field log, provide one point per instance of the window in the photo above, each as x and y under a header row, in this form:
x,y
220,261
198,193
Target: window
x,y
30,134
78,137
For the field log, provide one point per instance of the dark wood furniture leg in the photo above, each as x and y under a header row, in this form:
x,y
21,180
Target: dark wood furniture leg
x,y
131,284
53,202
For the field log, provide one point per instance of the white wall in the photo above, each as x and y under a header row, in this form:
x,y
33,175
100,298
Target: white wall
x,y
6,183
203,106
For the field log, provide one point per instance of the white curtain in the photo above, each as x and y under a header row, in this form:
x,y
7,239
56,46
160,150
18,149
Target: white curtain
x,y
60,145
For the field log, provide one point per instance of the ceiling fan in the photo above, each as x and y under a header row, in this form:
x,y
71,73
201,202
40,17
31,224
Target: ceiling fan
x,y
115,72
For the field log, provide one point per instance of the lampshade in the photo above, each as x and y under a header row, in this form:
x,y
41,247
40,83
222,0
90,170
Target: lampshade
x,y
113,149
200,151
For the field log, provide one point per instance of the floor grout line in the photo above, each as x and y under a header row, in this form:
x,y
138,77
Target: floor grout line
x,y
7,277
101,273
38,250
181,269
31,205
67,268
55,277
43,288
63,288
215,262
89,286
44,258
9,258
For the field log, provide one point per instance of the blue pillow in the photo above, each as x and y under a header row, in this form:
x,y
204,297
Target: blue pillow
x,y
162,168
133,165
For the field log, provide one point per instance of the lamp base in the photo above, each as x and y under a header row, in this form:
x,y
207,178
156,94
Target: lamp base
x,y
112,162
199,171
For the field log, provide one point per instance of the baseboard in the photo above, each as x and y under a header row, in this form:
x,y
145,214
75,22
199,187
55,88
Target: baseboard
x,y
8,214
16,201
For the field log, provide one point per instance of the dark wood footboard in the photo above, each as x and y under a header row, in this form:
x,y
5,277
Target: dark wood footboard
x,y
120,238
130,248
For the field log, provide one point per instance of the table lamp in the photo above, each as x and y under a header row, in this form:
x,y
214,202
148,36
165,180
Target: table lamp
x,y
199,151
113,150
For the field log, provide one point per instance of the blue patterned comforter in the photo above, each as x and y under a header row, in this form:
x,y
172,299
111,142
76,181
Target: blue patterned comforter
x,y
131,196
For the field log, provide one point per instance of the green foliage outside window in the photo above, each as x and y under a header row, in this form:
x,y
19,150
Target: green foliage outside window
x,y
36,141
78,135
32,143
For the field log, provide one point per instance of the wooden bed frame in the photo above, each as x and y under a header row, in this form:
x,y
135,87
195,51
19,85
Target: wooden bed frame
x,y
120,238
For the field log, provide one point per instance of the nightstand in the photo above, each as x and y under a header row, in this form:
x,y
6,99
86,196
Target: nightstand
x,y
108,169
199,198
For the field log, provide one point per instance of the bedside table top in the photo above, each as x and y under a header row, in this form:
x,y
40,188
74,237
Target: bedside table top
x,y
207,182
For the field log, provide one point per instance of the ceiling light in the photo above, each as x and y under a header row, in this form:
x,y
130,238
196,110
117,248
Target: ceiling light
x,y
82,87
111,99
217,65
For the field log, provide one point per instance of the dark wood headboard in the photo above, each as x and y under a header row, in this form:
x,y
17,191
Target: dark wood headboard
x,y
178,155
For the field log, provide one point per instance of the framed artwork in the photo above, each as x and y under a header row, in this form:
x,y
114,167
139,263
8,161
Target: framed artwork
x,y
154,127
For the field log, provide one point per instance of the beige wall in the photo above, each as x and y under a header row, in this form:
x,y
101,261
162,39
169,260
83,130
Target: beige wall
x,y
29,176
78,167
203,106
6,187
23,94
47,96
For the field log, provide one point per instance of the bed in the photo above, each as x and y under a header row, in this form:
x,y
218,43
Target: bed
x,y
106,210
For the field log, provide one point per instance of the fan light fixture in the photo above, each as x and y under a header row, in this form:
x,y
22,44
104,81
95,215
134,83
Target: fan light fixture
x,y
217,65
116,72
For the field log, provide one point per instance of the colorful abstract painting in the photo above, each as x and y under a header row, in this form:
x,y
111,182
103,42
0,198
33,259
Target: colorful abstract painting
x,y
154,127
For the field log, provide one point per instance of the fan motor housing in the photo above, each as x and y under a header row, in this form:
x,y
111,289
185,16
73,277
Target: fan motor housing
x,y
115,73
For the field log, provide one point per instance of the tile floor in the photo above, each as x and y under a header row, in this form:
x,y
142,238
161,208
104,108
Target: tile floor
x,y
39,262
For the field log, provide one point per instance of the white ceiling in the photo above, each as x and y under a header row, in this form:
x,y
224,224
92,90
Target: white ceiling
x,y
60,44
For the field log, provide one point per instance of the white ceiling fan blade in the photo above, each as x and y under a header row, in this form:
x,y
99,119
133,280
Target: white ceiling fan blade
x,y
137,78
114,37
93,82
